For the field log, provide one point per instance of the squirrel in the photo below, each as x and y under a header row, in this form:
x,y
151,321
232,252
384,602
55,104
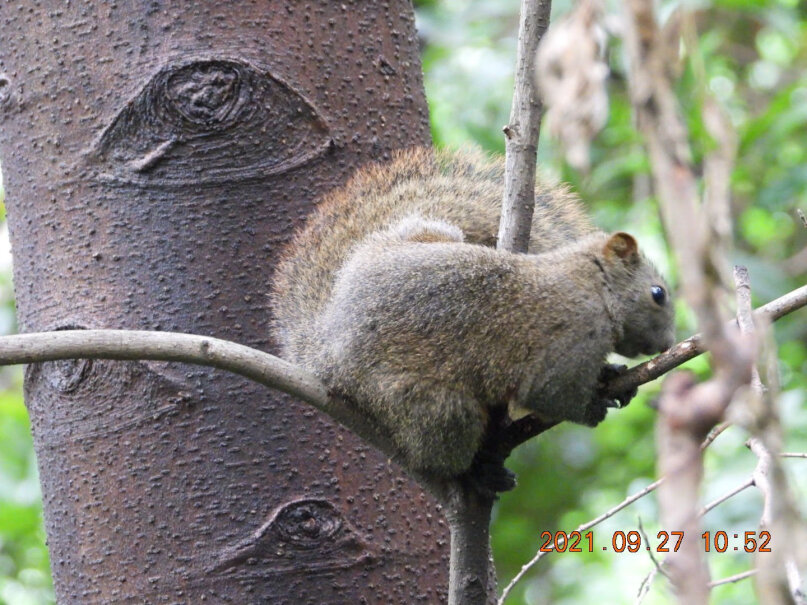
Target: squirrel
x,y
396,297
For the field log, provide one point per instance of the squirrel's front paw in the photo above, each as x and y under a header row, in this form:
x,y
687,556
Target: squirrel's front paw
x,y
608,372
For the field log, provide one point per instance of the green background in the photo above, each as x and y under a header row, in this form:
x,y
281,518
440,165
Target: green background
x,y
752,57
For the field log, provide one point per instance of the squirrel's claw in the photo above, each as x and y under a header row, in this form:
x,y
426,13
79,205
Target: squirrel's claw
x,y
608,372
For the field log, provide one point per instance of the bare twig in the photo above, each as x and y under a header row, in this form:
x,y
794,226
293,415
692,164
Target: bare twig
x,y
742,285
607,514
521,133
694,346
644,587
793,455
762,479
687,411
714,434
778,581
734,578
584,527
469,511
261,367
743,486
167,346
525,428
650,550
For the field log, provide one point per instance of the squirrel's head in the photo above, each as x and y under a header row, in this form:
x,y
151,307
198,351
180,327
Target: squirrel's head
x,y
644,301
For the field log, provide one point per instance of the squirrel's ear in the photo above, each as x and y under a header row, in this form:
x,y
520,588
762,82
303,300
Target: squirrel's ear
x,y
623,246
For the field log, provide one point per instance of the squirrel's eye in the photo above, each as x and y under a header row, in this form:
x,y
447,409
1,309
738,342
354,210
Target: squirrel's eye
x,y
659,295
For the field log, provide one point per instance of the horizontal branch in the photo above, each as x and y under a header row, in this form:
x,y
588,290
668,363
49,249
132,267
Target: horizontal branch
x,y
251,363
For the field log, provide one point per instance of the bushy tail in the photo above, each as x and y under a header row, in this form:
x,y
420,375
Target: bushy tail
x,y
460,187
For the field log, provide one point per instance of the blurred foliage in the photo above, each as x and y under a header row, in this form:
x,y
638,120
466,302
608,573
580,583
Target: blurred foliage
x,y
751,55
24,571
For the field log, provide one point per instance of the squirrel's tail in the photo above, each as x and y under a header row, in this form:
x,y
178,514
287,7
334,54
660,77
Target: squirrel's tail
x,y
463,188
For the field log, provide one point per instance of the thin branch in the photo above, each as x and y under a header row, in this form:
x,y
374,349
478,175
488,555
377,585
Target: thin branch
x,y
505,438
778,580
793,455
714,434
251,363
644,587
734,578
584,527
743,486
469,511
521,133
694,346
745,315
609,513
650,550
510,436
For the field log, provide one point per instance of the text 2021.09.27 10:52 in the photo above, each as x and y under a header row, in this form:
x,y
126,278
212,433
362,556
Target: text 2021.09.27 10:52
x,y
631,541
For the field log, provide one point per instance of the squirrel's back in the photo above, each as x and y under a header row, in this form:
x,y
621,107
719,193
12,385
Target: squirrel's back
x,y
463,188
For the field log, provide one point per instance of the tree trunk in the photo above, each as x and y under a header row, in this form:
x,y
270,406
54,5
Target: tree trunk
x,y
157,156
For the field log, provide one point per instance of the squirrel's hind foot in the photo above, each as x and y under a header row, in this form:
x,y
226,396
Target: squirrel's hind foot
x,y
489,476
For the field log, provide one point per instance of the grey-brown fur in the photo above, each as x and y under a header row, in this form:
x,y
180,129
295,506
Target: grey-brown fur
x,y
463,188
427,333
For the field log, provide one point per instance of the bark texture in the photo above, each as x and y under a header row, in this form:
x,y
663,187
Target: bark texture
x,y
157,156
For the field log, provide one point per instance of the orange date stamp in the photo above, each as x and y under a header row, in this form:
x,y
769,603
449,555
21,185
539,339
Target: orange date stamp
x,y
632,541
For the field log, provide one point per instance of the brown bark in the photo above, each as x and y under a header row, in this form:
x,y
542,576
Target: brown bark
x,y
157,156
